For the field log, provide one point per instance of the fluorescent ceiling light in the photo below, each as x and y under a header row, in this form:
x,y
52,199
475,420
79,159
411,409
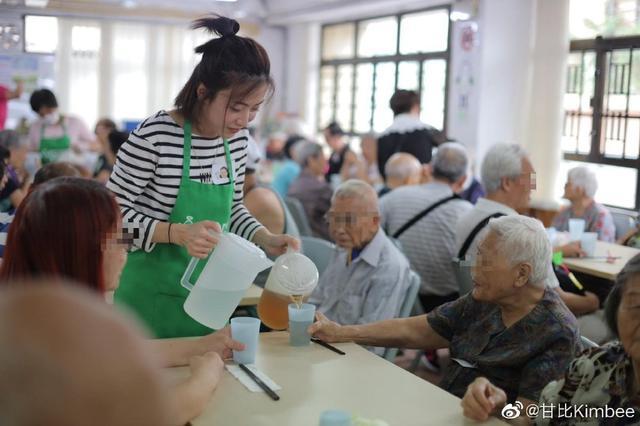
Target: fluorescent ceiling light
x,y
36,3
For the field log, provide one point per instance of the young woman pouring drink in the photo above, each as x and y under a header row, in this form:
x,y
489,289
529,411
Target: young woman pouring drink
x,y
168,180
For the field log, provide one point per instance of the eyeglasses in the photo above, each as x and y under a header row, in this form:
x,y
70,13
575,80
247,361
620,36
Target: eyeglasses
x,y
346,219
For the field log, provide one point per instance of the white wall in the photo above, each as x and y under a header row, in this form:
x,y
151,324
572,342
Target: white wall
x,y
272,38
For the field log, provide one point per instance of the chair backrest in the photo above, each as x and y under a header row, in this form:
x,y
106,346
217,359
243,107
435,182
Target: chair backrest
x,y
318,250
623,223
463,276
587,343
299,216
290,225
405,309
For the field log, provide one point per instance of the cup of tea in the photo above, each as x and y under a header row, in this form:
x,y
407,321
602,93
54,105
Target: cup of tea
x,y
300,318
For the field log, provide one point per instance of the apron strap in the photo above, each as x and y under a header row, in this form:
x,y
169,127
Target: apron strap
x,y
64,128
227,154
186,162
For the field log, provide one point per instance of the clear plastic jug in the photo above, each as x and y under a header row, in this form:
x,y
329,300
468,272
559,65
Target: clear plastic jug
x,y
293,277
229,272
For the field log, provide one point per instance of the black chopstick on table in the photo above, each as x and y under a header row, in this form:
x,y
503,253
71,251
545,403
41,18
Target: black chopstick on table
x,y
326,345
260,383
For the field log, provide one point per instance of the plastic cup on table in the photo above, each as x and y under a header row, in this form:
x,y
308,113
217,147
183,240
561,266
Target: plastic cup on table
x,y
245,330
335,418
299,320
576,228
588,243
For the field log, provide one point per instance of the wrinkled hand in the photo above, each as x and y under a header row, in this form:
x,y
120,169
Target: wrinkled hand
x,y
481,399
221,343
325,329
200,238
572,249
206,368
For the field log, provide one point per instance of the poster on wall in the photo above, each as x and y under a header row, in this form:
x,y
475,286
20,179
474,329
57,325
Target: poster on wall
x,y
33,70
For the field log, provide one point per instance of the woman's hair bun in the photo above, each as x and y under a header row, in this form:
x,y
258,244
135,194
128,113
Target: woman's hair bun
x,y
218,25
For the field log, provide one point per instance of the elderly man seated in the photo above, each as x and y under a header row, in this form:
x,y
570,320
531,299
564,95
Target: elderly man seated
x,y
510,328
368,278
580,188
402,169
423,218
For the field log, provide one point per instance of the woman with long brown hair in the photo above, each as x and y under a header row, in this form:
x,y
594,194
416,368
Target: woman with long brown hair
x,y
71,228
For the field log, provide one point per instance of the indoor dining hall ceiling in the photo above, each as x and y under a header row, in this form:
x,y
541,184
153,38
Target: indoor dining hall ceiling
x,y
271,11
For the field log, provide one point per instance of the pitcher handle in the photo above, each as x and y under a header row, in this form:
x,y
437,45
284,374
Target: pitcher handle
x,y
184,281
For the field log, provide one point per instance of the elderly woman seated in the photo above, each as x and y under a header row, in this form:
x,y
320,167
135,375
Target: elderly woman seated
x,y
606,377
510,328
580,189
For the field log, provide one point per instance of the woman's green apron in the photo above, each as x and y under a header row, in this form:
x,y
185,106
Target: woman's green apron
x,y
52,148
150,281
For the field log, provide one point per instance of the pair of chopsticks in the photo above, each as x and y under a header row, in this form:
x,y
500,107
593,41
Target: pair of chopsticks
x,y
266,387
326,345
259,382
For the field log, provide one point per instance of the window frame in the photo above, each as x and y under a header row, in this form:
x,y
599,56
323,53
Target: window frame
x,y
396,59
601,46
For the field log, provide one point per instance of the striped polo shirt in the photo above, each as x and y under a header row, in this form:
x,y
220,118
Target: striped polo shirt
x,y
148,169
430,243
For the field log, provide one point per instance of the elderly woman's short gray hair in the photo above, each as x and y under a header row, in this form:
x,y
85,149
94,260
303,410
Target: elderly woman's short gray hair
x,y
501,161
523,239
585,178
450,162
305,150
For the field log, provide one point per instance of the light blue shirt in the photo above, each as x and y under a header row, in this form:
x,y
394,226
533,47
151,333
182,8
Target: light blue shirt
x,y
371,288
284,176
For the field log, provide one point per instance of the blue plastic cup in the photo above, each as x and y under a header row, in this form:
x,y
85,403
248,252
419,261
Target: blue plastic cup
x,y
245,330
335,418
299,320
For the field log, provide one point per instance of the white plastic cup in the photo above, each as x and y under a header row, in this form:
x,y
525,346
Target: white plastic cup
x,y
576,228
245,330
588,243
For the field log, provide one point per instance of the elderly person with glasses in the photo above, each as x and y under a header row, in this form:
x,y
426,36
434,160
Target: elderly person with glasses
x,y
606,377
580,189
510,328
368,277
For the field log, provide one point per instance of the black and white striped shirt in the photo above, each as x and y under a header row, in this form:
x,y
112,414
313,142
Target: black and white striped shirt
x,y
146,176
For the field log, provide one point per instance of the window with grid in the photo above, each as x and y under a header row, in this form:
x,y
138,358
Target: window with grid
x,y
601,126
363,62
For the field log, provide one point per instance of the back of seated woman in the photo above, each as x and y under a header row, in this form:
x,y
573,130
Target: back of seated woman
x,y
72,228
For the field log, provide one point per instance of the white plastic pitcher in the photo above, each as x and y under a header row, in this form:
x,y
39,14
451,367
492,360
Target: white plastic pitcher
x,y
293,274
229,272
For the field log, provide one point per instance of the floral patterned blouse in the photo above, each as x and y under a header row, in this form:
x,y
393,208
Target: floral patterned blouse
x,y
595,391
597,217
